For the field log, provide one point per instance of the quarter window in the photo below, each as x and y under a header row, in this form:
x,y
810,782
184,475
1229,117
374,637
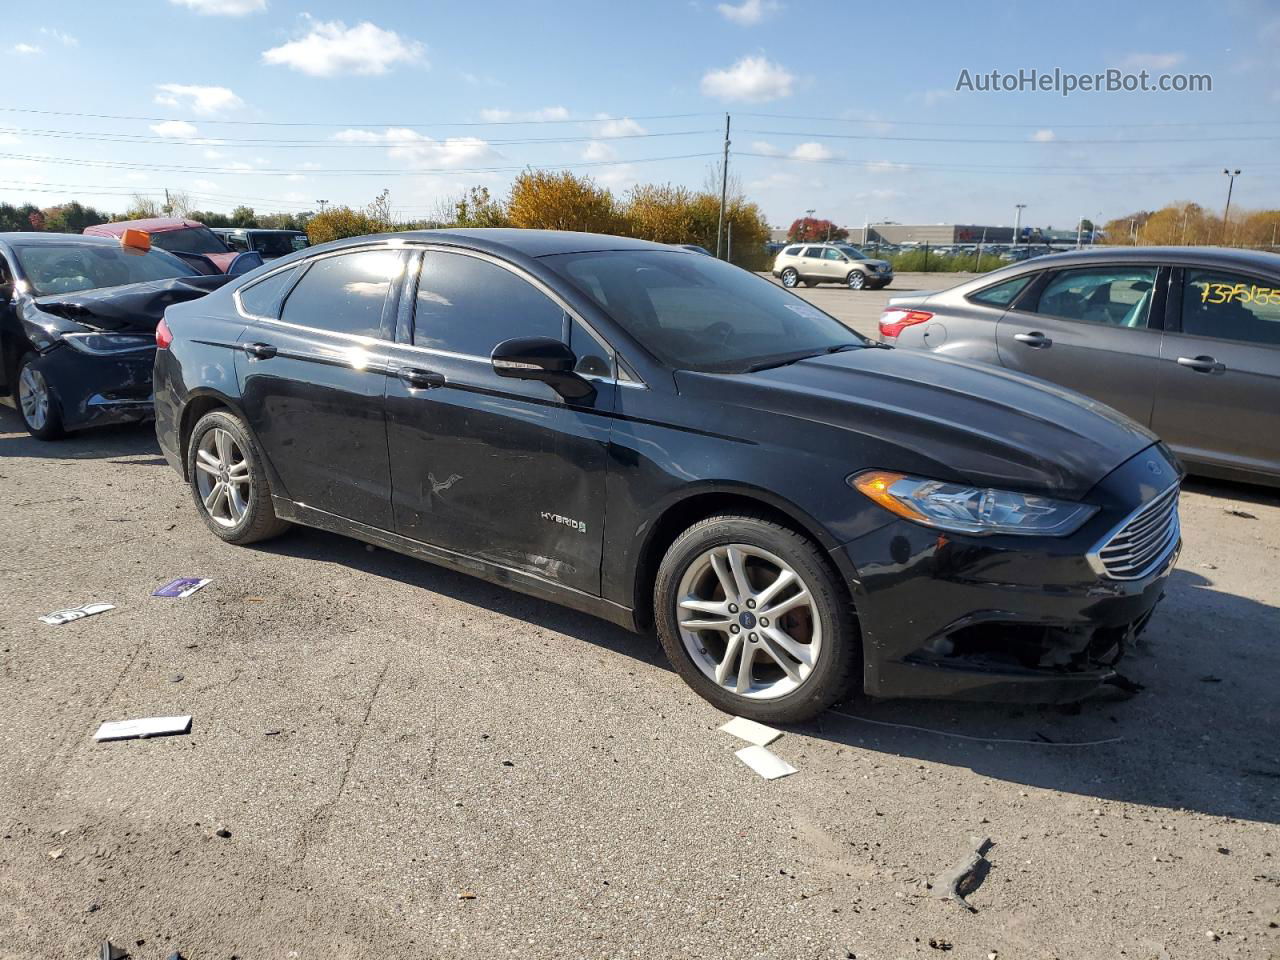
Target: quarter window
x,y
595,359
1231,307
263,298
346,293
1002,294
1115,296
468,305
791,252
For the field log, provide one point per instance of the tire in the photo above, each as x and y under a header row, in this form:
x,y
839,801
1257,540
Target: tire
x,y
36,400
790,278
711,660
857,280
242,513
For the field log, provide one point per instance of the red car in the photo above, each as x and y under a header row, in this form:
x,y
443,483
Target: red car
x,y
175,234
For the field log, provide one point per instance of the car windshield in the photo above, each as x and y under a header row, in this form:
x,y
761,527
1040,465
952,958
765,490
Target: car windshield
x,y
273,243
699,313
189,240
853,253
52,268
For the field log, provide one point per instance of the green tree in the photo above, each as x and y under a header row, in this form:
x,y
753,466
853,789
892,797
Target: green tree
x,y
243,216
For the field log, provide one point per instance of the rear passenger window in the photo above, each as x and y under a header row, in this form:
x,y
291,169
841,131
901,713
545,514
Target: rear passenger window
x,y
468,305
346,293
262,299
1231,307
1002,294
1116,296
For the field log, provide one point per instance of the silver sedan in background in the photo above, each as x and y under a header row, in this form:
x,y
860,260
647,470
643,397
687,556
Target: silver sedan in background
x,y
1184,340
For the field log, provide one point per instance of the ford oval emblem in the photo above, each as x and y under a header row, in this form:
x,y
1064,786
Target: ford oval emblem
x,y
1153,467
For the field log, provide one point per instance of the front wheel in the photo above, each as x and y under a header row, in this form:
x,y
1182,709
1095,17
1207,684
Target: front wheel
x,y
37,402
856,280
751,615
790,278
229,481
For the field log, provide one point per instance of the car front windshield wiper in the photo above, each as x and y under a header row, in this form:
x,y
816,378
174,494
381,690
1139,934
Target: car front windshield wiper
x,y
797,357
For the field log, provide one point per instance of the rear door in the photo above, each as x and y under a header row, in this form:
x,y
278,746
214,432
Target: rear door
x,y
313,381
811,263
1093,329
501,469
1218,399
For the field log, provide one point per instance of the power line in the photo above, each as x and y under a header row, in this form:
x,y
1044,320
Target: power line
x,y
1005,140
1018,126
890,165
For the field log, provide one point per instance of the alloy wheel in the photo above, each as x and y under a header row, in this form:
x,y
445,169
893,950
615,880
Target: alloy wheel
x,y
790,278
748,621
222,477
33,397
857,281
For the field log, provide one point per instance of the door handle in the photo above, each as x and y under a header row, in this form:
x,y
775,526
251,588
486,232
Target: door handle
x,y
1033,339
1202,364
421,379
259,351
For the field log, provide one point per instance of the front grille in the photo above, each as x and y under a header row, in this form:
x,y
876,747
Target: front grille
x,y
1143,542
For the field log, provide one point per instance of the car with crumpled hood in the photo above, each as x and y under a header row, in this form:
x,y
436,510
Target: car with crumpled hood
x,y
78,316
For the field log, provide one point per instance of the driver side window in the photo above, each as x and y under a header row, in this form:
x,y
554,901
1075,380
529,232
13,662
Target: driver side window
x,y
832,254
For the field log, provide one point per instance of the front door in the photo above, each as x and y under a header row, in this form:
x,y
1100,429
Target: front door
x,y
504,470
1090,329
313,383
1218,399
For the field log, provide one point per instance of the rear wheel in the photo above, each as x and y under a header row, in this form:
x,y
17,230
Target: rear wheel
x,y
37,402
229,481
755,620
790,278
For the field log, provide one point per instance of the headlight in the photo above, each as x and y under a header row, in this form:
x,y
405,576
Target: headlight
x,y
966,509
100,344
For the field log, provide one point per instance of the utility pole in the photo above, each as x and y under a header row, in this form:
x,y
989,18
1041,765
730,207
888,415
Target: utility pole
x,y
1226,214
1017,221
168,206
728,243
724,186
1079,231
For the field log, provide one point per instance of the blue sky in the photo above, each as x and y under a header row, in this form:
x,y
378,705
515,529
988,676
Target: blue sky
x,y
851,110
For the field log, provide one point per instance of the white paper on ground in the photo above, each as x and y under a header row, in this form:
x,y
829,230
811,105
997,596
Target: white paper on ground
x,y
765,762
144,727
750,731
59,617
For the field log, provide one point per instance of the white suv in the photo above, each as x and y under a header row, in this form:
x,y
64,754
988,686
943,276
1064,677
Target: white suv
x,y
814,263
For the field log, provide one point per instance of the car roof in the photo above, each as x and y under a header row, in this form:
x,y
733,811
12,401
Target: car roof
x,y
499,240
151,225
1175,256
29,239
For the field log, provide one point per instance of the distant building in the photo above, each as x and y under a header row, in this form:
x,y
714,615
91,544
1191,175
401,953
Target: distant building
x,y
934,234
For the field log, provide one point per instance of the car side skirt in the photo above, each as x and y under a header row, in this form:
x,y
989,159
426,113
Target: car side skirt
x,y
517,580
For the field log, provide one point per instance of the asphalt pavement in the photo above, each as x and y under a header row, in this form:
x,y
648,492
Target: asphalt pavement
x,y
390,760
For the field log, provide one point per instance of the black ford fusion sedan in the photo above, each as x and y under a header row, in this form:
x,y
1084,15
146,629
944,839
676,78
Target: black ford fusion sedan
x,y
77,326
664,440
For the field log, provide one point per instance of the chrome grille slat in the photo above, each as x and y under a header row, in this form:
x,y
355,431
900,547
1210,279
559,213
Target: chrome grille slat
x,y
1143,542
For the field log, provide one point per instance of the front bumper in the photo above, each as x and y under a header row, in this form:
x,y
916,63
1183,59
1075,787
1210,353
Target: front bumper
x,y
999,618
97,390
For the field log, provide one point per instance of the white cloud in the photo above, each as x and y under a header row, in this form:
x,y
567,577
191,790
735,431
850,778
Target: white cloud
x,y
885,166
1043,136
214,155
332,48
295,177
810,151
749,12
174,128
480,79
223,8
405,144
616,126
66,39
751,79
934,97
137,177
203,186
310,165
766,148
1152,61
26,49
597,151
507,116
204,101
295,197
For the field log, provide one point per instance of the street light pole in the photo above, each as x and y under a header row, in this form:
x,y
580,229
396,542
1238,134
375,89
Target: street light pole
x,y
1079,231
808,223
322,204
1226,214
1017,221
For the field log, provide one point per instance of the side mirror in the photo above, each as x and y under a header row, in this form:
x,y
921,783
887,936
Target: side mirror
x,y
541,358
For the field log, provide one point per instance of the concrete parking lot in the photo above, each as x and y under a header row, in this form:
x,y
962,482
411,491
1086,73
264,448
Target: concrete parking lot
x,y
391,760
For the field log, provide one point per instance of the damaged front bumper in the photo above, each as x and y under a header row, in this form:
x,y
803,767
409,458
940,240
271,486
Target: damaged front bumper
x,y
93,390
999,618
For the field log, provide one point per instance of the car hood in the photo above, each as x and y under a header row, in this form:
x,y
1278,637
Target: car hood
x,y
944,418
132,308
878,264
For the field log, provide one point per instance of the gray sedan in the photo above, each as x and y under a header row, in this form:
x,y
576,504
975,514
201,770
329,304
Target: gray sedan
x,y
1184,340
